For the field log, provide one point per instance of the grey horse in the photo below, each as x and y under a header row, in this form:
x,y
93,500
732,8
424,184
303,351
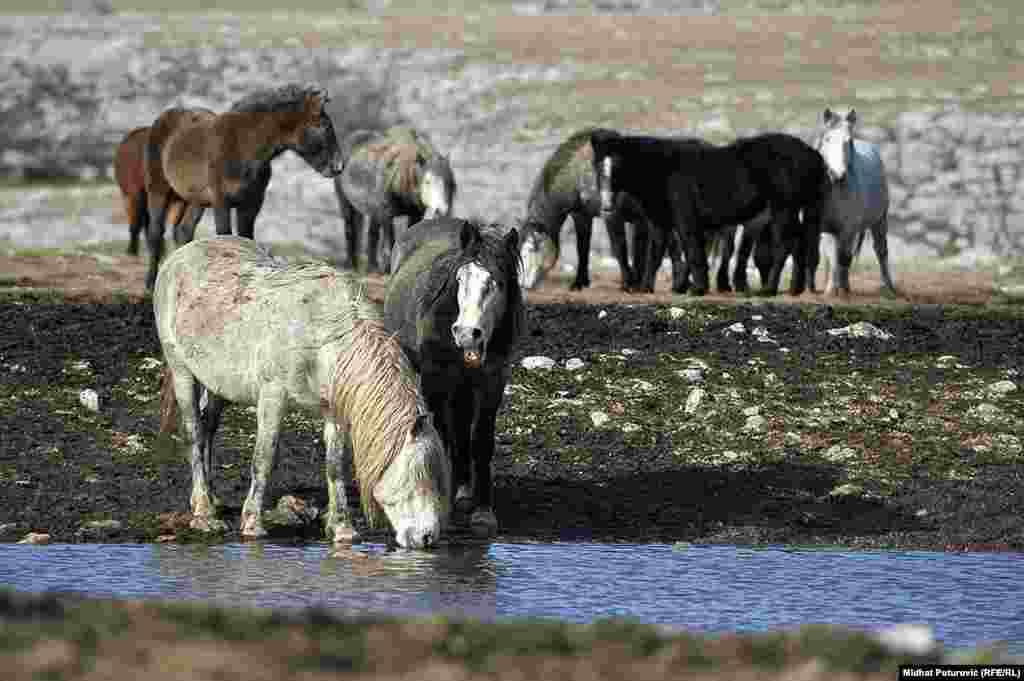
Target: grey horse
x,y
388,175
857,200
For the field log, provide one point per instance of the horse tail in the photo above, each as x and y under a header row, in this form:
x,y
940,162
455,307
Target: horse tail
x,y
168,402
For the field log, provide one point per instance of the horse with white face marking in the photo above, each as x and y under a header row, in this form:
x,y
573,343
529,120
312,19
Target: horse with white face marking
x,y
857,200
388,175
455,303
253,329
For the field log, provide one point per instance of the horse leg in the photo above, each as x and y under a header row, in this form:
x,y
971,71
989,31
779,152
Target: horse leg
x,y
779,252
880,241
584,226
372,243
185,230
739,273
222,217
338,525
845,246
680,270
245,217
462,452
210,420
483,522
388,244
138,218
270,409
348,216
727,241
157,205
655,256
616,227
201,501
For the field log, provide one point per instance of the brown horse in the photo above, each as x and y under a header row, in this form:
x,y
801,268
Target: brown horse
x,y
223,160
129,172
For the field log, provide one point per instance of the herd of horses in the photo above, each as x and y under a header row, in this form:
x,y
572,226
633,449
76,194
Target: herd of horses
x,y
409,390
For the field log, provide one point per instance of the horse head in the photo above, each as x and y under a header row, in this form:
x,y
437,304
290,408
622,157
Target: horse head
x,y
317,142
836,142
415,489
436,187
605,161
538,253
484,292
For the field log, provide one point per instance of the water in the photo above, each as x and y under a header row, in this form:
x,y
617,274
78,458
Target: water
x,y
968,599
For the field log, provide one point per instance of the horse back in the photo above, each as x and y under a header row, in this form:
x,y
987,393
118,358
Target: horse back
x,y
240,318
173,149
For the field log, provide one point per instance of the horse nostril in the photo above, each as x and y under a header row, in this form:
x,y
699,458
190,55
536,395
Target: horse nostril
x,y
477,333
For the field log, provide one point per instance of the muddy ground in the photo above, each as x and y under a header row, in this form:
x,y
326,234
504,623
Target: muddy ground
x,y
800,436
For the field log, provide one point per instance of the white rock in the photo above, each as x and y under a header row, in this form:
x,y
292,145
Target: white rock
x,y
629,352
574,363
752,411
676,313
839,453
755,424
908,639
692,374
90,399
602,314
736,328
1002,387
537,362
861,330
599,418
694,399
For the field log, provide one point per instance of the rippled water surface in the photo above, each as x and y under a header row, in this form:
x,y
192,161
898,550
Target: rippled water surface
x,y
967,598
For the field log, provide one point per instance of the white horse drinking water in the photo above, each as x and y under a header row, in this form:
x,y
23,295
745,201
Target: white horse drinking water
x,y
857,200
254,329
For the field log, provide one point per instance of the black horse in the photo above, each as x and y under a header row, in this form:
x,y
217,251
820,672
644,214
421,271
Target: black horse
x,y
697,189
454,301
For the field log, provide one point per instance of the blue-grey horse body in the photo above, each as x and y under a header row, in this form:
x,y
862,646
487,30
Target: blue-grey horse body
x,y
857,199
455,303
388,175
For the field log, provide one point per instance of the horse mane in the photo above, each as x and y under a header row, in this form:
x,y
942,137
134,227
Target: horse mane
x,y
399,147
561,157
489,251
375,392
290,98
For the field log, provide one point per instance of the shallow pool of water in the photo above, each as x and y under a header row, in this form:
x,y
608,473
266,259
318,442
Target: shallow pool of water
x,y
967,598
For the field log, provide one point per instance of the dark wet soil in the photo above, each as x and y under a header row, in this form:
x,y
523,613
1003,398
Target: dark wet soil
x,y
62,465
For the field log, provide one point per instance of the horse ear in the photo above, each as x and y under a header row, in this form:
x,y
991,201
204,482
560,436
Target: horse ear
x,y
512,240
851,117
600,138
469,235
828,115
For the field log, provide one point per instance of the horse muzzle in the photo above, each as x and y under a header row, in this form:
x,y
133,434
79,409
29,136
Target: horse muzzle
x,y
470,339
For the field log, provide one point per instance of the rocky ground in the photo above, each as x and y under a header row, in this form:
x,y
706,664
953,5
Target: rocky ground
x,y
720,420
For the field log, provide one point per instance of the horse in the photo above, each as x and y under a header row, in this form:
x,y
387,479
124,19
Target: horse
x,y
241,326
454,301
696,189
223,160
567,186
857,200
388,175
130,175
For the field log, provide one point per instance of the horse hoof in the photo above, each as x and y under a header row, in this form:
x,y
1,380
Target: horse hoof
x,y
252,527
207,524
346,535
484,523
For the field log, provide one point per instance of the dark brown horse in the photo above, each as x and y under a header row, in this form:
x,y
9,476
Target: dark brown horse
x,y
129,171
223,160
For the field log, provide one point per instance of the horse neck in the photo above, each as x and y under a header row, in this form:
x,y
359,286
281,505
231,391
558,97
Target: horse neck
x,y
271,130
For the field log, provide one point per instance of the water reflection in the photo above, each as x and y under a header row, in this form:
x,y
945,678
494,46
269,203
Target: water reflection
x,y
967,598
